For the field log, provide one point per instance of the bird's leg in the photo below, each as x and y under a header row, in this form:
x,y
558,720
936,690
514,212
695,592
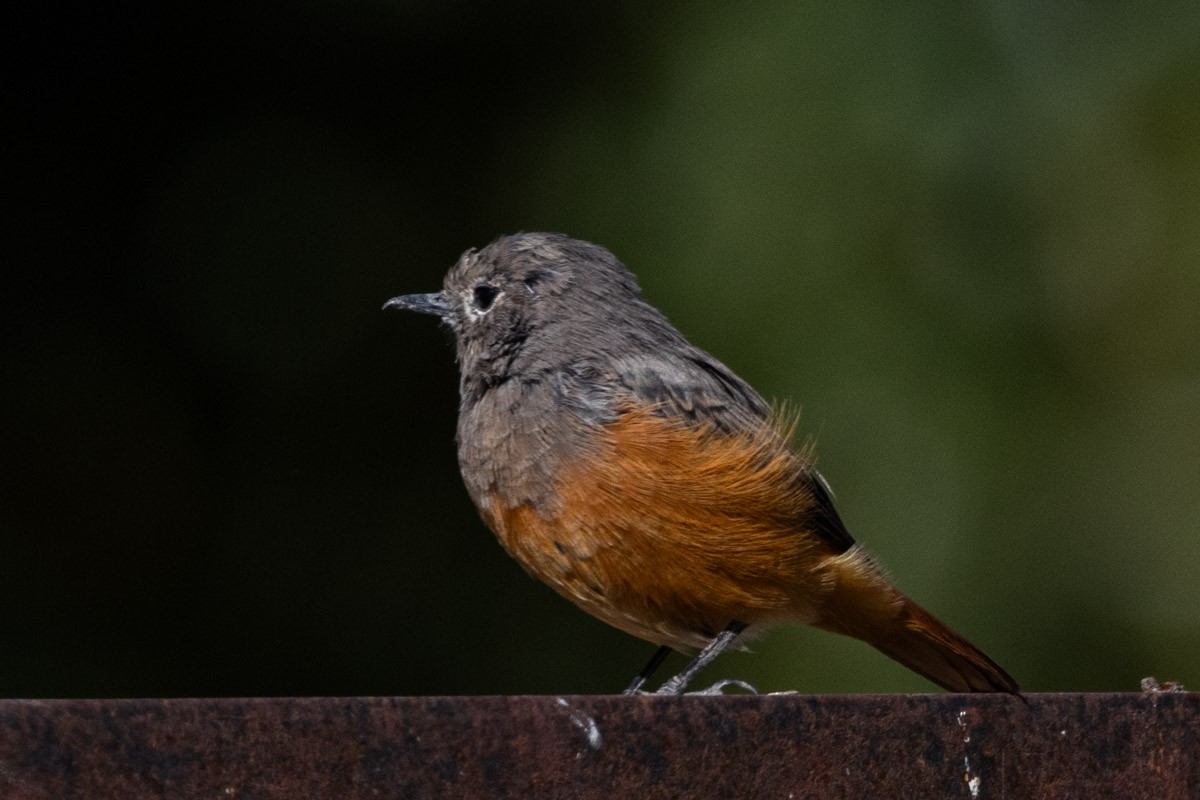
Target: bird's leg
x,y
660,656
711,650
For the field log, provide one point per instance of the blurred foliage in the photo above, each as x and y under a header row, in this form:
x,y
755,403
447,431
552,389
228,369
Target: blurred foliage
x,y
964,238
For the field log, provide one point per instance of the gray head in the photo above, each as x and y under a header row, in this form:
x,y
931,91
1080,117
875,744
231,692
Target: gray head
x,y
536,300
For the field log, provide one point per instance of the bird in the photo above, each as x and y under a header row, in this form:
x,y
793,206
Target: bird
x,y
644,481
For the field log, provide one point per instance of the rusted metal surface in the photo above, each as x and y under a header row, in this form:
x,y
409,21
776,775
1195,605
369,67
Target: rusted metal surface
x,y
798,746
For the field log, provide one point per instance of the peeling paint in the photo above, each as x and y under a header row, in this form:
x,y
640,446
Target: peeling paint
x,y
584,722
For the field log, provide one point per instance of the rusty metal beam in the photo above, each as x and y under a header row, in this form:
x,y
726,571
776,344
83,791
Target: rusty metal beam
x,y
799,746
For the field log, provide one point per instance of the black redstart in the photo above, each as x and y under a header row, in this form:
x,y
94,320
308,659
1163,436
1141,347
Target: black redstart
x,y
644,481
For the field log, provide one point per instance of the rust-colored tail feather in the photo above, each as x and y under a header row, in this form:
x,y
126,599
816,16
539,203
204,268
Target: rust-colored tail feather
x,y
928,646
864,605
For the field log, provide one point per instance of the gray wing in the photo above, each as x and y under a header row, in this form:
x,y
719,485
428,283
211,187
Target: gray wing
x,y
693,387
696,388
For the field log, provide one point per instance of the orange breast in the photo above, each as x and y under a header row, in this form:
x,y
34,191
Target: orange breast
x,y
670,532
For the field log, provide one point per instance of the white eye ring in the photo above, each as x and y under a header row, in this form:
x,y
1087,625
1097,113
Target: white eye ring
x,y
481,299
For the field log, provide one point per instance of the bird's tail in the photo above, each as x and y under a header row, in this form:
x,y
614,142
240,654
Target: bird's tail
x,y
866,606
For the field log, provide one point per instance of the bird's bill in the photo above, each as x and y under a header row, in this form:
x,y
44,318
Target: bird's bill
x,y
423,303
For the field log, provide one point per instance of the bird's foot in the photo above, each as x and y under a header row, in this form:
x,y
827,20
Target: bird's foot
x,y
716,690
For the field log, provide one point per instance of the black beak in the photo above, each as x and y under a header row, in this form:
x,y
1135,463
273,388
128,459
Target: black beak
x,y
424,303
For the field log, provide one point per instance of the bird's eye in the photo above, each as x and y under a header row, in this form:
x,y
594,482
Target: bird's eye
x,y
485,295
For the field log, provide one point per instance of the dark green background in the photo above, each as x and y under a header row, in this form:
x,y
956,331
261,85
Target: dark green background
x,y
963,237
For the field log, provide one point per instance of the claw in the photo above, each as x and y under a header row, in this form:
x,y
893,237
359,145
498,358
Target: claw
x,y
718,688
